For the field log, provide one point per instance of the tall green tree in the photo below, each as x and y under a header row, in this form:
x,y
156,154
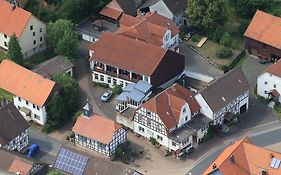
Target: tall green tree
x,y
206,14
247,8
69,92
57,113
14,50
61,37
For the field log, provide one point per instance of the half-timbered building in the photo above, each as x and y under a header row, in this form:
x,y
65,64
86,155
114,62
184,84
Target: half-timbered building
x,y
173,119
225,97
98,133
13,130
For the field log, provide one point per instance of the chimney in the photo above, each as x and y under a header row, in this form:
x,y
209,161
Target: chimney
x,y
214,166
87,110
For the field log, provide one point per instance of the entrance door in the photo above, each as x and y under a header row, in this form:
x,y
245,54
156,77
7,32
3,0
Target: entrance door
x,y
243,108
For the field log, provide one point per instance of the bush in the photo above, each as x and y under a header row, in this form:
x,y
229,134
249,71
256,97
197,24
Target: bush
x,y
225,68
242,27
225,39
195,38
48,128
216,34
224,53
117,89
76,115
104,85
118,152
153,141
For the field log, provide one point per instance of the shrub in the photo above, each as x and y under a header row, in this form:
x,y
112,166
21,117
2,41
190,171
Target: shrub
x,y
225,68
195,38
216,34
48,128
141,151
153,141
224,53
104,85
118,152
76,115
117,89
225,39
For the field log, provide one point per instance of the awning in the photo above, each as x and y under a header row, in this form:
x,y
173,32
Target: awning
x,y
228,116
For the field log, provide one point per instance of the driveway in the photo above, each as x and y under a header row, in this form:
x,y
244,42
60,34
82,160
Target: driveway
x,y
49,147
195,62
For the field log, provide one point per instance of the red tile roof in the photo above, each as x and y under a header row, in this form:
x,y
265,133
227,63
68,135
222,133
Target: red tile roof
x,y
265,28
25,83
149,28
127,53
97,128
275,69
169,103
19,166
12,21
111,12
244,158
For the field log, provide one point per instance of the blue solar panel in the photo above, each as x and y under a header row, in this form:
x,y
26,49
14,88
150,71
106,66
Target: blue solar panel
x,y
71,162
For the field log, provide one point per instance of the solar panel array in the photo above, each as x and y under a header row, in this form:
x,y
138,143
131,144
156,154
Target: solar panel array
x,y
71,162
275,163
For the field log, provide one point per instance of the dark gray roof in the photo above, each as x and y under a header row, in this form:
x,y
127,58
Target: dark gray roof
x,y
225,89
199,121
12,123
175,6
128,7
49,68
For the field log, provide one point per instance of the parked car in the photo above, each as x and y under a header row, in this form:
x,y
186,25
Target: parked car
x,y
32,150
106,96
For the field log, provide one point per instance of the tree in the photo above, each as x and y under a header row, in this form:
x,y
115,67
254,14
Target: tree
x,y
56,112
14,50
61,37
225,39
247,8
69,92
206,14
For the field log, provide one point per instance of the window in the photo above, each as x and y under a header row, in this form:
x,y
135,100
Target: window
x,y
96,76
184,110
145,78
41,39
274,85
141,129
36,116
40,30
109,80
101,78
265,82
33,34
5,36
159,137
37,107
265,92
19,98
114,81
26,102
34,42
174,144
34,106
31,27
5,44
185,118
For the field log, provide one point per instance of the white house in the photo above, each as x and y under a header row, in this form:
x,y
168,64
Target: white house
x,y
151,28
98,133
120,60
225,97
13,130
129,100
31,91
173,119
173,10
29,30
269,82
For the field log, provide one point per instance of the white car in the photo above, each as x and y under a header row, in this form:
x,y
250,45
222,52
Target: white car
x,y
106,96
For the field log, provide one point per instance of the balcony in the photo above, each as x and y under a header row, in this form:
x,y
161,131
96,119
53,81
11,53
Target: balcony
x,y
111,73
124,77
100,70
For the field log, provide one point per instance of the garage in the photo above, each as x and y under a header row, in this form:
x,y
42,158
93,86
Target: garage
x,y
243,108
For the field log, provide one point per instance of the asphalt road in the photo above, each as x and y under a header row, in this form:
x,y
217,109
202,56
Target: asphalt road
x,y
195,62
261,139
49,147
